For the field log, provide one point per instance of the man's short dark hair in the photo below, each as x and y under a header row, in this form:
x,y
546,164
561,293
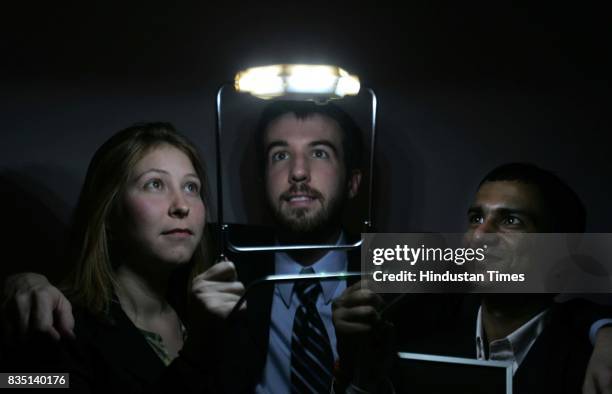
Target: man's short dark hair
x,y
352,144
567,210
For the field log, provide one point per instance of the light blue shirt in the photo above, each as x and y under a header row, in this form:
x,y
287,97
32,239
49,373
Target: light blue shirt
x,y
595,328
277,371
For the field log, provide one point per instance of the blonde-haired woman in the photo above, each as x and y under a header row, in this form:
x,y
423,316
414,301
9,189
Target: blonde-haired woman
x,y
140,258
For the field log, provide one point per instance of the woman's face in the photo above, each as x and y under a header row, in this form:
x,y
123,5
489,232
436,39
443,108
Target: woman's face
x,y
163,212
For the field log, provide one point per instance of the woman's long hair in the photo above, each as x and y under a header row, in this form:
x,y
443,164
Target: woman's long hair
x,y
91,283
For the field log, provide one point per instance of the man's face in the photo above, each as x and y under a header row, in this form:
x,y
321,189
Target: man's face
x,y
500,215
306,180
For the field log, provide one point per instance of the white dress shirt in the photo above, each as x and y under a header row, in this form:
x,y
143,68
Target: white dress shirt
x,y
515,346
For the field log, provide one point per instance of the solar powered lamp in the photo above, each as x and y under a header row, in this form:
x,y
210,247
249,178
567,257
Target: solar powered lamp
x,y
317,83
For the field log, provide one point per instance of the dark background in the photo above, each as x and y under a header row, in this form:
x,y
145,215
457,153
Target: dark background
x,y
461,88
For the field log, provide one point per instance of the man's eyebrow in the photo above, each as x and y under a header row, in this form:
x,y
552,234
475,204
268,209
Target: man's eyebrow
x,y
324,143
284,144
276,143
514,211
501,211
474,209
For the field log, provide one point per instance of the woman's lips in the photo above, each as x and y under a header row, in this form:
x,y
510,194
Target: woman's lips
x,y
178,232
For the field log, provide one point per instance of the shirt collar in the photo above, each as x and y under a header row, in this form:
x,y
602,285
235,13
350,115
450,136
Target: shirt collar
x,y
332,261
515,346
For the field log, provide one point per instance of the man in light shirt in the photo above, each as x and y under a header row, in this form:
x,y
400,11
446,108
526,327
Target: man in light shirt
x,y
548,352
310,156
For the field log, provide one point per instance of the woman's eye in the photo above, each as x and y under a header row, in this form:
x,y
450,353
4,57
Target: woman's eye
x,y
320,154
278,156
192,187
154,184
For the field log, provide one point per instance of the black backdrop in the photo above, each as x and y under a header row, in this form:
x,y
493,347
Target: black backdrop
x,y
461,89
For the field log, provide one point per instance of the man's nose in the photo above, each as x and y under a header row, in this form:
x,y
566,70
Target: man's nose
x,y
484,233
300,170
179,206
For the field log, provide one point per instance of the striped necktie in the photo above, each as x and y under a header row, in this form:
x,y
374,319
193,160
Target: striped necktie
x,y
311,353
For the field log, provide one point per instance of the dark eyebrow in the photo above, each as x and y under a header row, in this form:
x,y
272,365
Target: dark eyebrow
x,y
474,209
284,144
502,211
324,143
275,144
512,211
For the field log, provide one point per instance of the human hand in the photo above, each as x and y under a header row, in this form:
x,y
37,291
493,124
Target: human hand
x,y
32,305
365,340
598,376
216,292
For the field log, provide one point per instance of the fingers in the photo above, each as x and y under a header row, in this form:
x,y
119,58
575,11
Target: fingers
x,y
206,286
18,290
355,320
22,283
362,284
35,306
223,271
589,387
64,319
218,304
353,297
356,311
10,322
364,297
360,313
603,385
220,280
219,300
41,315
21,313
598,375
218,291
598,379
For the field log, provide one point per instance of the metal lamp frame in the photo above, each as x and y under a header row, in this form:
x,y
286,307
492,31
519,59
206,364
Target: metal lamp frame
x,y
226,244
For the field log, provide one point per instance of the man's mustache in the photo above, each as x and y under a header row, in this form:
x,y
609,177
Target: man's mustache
x,y
301,189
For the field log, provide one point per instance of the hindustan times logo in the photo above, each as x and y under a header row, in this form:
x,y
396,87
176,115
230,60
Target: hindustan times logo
x,y
404,253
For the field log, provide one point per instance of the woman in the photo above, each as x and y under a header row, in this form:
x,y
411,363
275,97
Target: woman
x,y
138,245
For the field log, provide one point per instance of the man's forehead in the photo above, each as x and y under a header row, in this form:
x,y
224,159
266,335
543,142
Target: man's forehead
x,y
314,127
513,195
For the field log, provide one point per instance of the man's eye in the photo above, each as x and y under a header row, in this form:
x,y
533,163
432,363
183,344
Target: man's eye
x,y
278,156
475,219
513,221
192,187
320,154
154,184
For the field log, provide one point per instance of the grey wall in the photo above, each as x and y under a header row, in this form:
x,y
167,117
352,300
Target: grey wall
x,y
460,91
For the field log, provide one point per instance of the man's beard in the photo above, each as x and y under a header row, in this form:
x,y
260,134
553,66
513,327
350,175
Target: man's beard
x,y
299,221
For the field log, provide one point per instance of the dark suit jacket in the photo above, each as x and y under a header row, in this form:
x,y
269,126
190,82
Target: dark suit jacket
x,y
555,363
